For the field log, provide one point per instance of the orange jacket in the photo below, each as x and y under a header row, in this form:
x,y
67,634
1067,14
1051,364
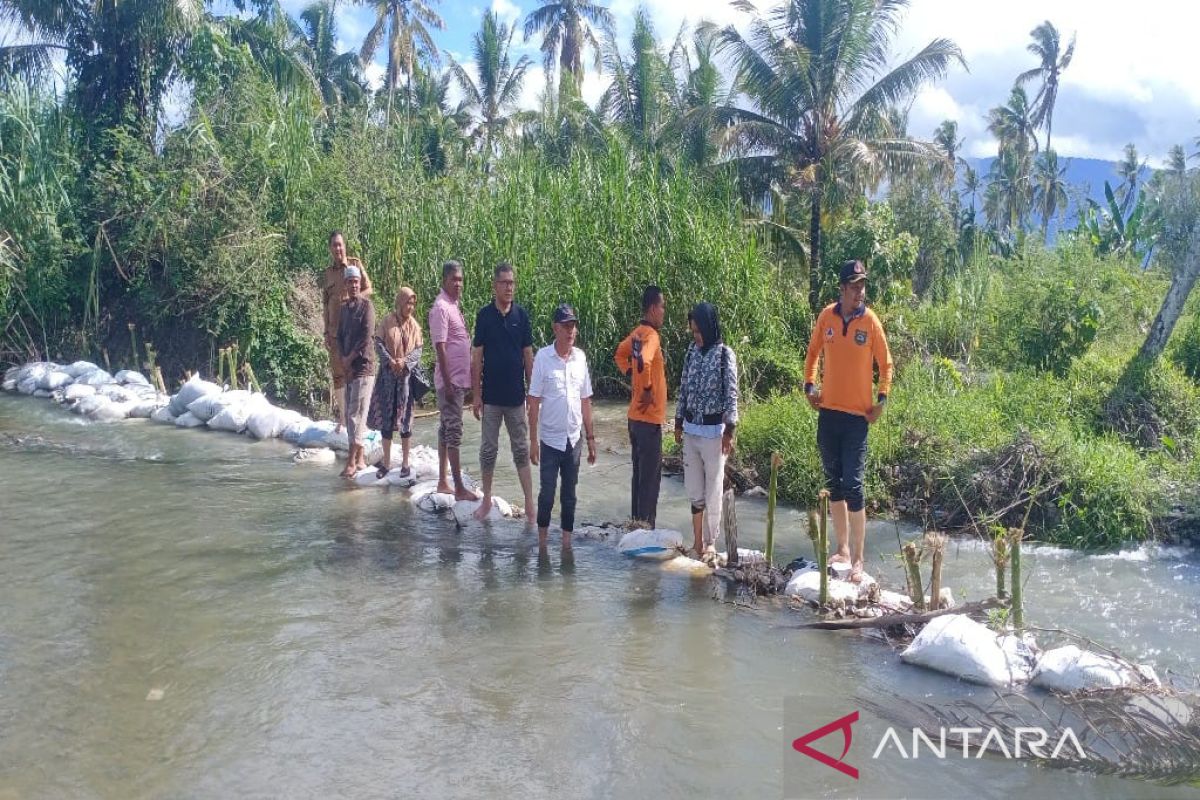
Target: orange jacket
x,y
653,375
849,349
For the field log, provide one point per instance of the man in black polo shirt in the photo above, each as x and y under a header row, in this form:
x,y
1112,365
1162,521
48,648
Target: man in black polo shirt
x,y
501,364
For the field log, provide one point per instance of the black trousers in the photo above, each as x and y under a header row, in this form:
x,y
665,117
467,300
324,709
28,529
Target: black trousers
x,y
842,440
646,440
553,465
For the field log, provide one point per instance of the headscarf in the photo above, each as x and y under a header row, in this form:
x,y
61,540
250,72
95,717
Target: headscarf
x,y
708,323
401,335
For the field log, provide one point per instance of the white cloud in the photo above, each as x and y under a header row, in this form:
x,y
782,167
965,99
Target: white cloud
x,y
507,12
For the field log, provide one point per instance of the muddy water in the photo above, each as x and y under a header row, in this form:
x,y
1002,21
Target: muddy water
x,y
186,613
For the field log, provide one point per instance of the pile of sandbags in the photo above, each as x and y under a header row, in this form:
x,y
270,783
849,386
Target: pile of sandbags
x,y
108,398
957,645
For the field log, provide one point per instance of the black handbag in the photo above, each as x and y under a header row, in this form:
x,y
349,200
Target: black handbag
x,y
418,383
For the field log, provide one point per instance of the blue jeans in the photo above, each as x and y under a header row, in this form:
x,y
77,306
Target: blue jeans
x,y
554,464
842,440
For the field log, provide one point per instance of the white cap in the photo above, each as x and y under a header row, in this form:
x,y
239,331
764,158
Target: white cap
x,y
351,272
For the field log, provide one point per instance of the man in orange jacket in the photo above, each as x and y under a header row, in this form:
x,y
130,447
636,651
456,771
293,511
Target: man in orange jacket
x,y
849,338
640,356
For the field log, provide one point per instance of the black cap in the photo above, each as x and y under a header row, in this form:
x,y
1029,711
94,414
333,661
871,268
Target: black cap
x,y
565,313
853,272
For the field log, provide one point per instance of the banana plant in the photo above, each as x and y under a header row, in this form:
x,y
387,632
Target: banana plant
x,y
1111,232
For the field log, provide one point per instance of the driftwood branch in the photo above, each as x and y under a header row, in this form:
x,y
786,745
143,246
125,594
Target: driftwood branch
x,y
893,620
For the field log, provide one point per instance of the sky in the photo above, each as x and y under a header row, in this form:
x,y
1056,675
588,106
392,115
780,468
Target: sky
x,y
1133,78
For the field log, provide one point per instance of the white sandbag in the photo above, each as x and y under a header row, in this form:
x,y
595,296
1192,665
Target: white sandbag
x,y
9,385
958,645
268,422
90,405
132,377
1069,669
118,394
426,497
96,377
745,556
195,388
656,543
314,435
368,477
142,409
11,373
687,566
318,456
464,511
80,368
807,586
232,418
27,385
163,416
295,429
112,411
209,405
188,420
55,380
340,441
35,371
78,391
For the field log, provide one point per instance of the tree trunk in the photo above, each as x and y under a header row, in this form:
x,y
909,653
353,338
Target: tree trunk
x,y
1182,281
814,253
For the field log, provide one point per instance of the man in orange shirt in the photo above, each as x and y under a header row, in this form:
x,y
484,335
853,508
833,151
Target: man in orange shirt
x,y
640,357
849,338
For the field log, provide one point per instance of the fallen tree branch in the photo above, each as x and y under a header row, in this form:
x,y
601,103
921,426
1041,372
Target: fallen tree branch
x,y
894,620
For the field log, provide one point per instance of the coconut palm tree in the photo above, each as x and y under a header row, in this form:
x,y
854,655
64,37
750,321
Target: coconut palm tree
x,y
1008,195
566,28
639,97
278,45
1047,46
339,76
498,89
1049,193
1129,169
697,96
1013,124
820,94
404,24
1176,161
121,56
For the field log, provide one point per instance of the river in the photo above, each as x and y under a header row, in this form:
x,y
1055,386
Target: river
x,y
189,614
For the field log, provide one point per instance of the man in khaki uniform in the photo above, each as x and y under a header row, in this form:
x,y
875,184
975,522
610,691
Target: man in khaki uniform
x,y
333,295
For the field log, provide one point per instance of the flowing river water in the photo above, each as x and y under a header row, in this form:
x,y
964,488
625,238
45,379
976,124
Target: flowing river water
x,y
188,614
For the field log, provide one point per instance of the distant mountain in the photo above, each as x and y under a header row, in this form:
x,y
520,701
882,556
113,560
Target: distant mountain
x,y
1085,179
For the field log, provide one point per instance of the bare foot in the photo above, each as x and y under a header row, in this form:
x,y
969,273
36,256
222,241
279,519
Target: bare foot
x,y
443,488
348,472
839,558
856,572
465,494
485,507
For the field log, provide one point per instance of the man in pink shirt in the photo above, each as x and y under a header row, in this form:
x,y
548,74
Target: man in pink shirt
x,y
451,376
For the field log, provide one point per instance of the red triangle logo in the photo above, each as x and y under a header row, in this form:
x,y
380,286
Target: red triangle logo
x,y
801,745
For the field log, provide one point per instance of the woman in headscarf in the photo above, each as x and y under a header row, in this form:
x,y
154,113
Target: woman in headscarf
x,y
706,414
399,342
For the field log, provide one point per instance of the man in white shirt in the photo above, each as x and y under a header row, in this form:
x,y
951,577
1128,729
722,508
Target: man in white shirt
x,y
560,420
